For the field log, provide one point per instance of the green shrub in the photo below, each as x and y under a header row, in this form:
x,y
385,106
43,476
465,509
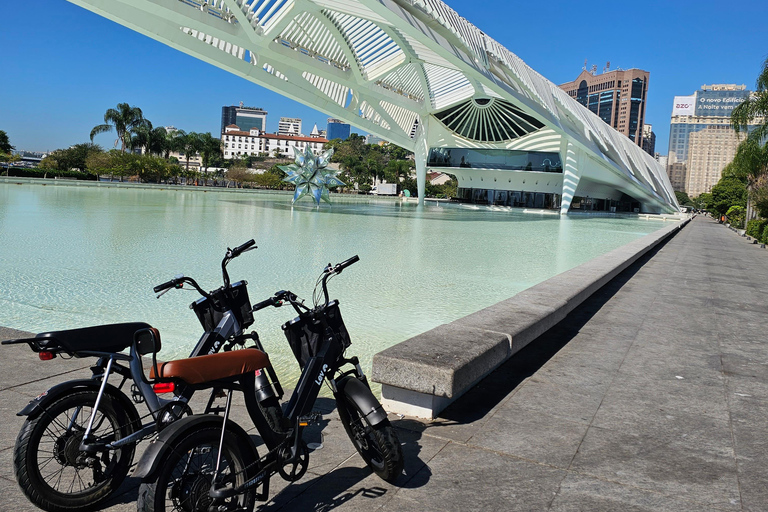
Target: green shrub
x,y
736,215
48,173
756,228
764,239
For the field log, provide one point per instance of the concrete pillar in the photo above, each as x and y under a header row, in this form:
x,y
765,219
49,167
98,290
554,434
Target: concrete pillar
x,y
421,154
574,160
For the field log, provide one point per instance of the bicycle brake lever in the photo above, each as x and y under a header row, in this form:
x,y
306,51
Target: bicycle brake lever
x,y
164,292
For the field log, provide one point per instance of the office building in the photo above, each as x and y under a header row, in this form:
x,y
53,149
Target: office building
x,y
618,97
701,139
337,129
289,126
246,118
649,140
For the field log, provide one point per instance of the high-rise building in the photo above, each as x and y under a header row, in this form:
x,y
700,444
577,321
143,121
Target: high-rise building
x,y
618,97
337,129
246,118
649,140
701,139
289,126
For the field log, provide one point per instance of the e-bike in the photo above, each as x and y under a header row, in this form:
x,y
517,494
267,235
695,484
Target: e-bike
x,y
78,440
207,462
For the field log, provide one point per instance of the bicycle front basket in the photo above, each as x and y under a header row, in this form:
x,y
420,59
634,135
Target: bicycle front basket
x,y
304,333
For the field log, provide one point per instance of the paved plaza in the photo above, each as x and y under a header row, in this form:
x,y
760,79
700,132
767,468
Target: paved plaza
x,y
651,396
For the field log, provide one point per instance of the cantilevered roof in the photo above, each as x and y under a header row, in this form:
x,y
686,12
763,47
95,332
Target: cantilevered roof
x,y
386,66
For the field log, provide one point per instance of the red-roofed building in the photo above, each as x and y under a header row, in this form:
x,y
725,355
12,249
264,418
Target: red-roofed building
x,y
237,143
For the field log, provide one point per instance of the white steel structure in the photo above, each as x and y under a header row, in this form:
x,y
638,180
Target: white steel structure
x,y
416,73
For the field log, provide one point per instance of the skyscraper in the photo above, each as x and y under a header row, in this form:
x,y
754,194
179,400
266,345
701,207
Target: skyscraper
x,y
246,118
289,126
649,140
337,129
618,97
701,139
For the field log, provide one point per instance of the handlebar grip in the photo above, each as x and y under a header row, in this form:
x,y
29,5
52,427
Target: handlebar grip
x,y
237,250
344,264
263,304
169,284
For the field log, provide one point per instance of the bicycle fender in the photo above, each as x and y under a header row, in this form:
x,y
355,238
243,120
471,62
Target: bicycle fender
x,y
363,397
164,443
41,402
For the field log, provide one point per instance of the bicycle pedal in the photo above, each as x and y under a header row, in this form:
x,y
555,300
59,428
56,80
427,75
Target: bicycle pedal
x,y
312,418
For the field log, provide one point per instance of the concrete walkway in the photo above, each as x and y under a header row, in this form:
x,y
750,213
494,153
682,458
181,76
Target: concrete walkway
x,y
652,395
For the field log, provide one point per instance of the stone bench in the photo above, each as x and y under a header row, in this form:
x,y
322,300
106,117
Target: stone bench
x,y
422,375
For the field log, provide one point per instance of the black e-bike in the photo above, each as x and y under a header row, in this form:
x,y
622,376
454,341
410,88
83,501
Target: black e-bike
x,y
207,462
78,439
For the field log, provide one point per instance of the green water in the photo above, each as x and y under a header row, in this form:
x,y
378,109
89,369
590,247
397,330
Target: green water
x,y
72,256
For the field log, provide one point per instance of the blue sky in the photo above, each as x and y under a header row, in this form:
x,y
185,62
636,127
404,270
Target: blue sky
x,y
64,66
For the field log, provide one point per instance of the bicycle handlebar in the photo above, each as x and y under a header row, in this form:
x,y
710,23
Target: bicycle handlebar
x,y
239,250
169,284
344,264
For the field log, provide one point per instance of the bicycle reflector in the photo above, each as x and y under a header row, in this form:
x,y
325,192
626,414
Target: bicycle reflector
x,y
164,387
45,355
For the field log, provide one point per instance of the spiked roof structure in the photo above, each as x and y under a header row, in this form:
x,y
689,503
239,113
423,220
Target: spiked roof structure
x,y
409,71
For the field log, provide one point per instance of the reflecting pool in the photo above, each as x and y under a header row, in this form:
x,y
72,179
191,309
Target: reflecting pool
x,y
72,256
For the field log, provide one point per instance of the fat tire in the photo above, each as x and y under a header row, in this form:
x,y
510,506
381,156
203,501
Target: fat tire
x,y
25,453
152,494
388,464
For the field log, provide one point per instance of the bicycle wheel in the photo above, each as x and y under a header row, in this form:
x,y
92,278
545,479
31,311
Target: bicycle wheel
x,y
185,477
378,445
50,468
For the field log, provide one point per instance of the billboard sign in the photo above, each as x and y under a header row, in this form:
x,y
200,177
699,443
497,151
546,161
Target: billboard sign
x,y
684,106
718,103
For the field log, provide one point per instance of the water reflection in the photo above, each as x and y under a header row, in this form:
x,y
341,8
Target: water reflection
x,y
75,256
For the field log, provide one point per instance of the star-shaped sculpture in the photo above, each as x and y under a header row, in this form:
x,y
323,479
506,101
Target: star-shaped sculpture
x,y
310,176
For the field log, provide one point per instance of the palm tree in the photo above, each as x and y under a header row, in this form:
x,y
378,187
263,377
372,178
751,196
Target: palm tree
x,y
755,106
152,140
124,119
210,146
190,144
752,155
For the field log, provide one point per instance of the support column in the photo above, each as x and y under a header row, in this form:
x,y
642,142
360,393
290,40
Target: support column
x,y
421,153
574,160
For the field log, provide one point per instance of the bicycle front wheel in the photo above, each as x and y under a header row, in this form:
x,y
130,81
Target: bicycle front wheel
x,y
378,445
185,477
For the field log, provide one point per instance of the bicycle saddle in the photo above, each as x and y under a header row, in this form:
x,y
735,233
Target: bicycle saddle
x,y
202,369
100,338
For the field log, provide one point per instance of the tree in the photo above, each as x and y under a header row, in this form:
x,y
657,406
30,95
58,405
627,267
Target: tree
x,y
755,106
683,199
124,120
189,145
210,147
751,116
6,152
728,192
152,140
5,144
71,159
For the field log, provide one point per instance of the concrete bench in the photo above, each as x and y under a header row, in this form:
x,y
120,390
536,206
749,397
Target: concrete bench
x,y
422,375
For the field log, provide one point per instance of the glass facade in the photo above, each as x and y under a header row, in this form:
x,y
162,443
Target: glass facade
x,y
709,104
502,159
337,131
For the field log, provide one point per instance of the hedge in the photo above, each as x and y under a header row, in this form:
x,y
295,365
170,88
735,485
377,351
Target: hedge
x,y
756,228
20,172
